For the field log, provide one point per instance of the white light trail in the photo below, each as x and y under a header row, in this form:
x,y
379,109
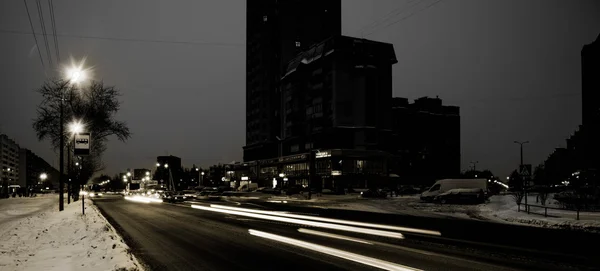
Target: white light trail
x,y
305,222
385,265
335,236
331,220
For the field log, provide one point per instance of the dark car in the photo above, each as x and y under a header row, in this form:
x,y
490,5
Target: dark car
x,y
461,195
173,197
372,193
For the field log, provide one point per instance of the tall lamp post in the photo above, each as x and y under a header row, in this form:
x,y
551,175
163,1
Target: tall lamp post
x,y
74,75
521,166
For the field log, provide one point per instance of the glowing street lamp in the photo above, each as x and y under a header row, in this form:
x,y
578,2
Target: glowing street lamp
x,y
43,176
76,127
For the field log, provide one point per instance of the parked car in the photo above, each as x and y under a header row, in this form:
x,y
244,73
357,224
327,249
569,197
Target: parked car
x,y
374,193
461,195
445,185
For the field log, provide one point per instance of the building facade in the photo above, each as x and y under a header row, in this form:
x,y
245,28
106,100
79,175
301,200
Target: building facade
x,y
9,162
276,31
31,167
335,99
426,140
590,88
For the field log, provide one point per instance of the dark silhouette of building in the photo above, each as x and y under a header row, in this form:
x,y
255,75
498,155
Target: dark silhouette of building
x,y
31,168
140,173
337,95
426,140
276,31
590,88
336,99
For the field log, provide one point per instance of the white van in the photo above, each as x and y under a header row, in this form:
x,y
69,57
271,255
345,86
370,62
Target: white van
x,y
442,186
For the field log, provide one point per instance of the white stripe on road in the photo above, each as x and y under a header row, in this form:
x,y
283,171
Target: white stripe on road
x,y
305,222
331,220
385,265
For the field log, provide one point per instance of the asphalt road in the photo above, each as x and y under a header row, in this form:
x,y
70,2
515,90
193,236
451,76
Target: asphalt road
x,y
179,237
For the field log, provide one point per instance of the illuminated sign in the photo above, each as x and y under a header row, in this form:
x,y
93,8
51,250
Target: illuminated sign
x,y
322,154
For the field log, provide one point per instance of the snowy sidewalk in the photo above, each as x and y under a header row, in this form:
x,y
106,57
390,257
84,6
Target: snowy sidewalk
x,y
38,237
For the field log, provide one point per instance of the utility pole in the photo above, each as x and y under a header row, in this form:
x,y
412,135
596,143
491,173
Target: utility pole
x,y
521,167
61,184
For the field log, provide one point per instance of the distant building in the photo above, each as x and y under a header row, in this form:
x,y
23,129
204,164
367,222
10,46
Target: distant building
x,y
9,161
141,173
31,167
162,172
276,31
335,99
590,88
426,140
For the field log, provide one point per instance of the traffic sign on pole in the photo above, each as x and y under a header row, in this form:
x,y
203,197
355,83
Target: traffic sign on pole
x,y
82,144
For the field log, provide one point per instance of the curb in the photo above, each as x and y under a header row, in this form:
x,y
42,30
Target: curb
x,y
135,260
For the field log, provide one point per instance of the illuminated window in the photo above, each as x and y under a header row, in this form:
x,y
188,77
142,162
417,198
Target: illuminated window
x,y
297,44
265,18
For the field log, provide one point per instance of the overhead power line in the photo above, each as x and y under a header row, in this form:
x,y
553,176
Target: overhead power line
x,y
221,44
51,5
404,18
40,13
32,32
395,12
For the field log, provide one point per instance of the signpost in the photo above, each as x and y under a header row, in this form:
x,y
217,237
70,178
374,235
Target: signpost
x,y
82,144
82,148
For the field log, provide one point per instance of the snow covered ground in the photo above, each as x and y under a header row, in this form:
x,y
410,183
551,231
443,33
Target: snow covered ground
x,y
36,236
500,208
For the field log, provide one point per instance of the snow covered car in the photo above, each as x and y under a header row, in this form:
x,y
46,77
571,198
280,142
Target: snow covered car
x,y
461,195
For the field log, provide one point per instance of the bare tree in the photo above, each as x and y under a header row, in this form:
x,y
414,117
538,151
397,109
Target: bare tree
x,y
95,105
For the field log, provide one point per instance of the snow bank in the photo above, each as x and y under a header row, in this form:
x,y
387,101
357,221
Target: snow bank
x,y
504,208
67,240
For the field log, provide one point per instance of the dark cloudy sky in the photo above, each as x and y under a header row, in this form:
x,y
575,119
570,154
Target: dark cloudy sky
x,y
512,66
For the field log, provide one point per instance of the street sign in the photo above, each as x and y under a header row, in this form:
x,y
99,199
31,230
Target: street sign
x,y
82,144
525,170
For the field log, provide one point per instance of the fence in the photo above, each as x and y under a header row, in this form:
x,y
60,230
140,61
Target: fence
x,y
528,209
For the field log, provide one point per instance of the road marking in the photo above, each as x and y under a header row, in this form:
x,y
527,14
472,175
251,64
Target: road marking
x,y
331,220
385,265
305,222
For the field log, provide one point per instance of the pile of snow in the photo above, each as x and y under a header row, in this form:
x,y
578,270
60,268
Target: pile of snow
x,y
67,240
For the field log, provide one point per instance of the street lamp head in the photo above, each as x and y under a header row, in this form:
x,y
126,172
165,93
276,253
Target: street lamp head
x,y
202,173
281,175
77,163
128,174
158,164
147,173
43,176
166,165
76,127
197,169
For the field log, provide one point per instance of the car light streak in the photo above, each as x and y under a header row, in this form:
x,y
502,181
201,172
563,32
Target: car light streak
x,y
385,265
331,220
137,199
305,222
143,199
335,236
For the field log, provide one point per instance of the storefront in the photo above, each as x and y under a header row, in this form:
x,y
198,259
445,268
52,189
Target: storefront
x,y
336,170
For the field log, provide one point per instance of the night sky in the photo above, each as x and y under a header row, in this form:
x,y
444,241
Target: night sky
x,y
512,66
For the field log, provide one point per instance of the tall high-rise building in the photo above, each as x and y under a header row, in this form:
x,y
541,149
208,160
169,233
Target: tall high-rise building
x,y
276,31
9,162
590,88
